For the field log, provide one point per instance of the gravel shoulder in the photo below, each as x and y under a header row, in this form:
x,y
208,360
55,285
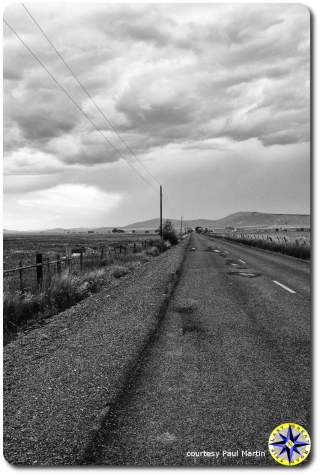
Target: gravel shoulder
x,y
60,379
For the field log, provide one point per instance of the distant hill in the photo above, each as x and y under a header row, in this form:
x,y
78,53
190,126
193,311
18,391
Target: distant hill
x,y
255,219
61,231
240,219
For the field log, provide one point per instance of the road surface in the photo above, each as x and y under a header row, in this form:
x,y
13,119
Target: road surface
x,y
230,362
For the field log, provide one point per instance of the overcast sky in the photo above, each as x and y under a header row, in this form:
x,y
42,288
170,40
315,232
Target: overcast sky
x,y
213,100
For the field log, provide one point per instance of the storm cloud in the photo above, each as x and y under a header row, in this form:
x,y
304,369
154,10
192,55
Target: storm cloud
x,y
203,79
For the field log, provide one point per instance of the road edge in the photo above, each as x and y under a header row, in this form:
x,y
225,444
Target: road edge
x,y
89,453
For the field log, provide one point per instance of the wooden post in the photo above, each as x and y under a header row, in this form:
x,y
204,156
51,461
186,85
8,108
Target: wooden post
x,y
48,265
81,260
20,276
68,257
39,269
58,264
161,211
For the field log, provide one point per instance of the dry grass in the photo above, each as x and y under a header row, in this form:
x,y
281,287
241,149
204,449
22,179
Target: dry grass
x,y
64,291
153,251
60,291
291,246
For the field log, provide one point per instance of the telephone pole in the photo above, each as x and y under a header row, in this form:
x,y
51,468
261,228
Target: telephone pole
x,y
181,226
161,211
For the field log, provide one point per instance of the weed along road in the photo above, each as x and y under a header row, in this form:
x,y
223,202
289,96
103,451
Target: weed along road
x,y
229,363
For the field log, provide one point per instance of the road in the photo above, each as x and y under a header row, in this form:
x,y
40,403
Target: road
x,y
231,361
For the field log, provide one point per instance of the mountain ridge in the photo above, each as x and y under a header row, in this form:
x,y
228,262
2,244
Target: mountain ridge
x,y
238,219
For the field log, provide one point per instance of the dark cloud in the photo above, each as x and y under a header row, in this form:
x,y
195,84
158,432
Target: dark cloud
x,y
39,114
163,74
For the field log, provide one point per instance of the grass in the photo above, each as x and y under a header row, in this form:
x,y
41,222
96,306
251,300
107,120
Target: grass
x,y
60,291
24,247
65,290
120,271
292,247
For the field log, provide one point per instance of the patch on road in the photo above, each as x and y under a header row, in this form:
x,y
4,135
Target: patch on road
x,y
235,264
239,266
185,305
249,275
190,324
230,261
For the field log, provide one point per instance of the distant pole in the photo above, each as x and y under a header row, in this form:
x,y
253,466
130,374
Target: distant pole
x,y
181,226
161,211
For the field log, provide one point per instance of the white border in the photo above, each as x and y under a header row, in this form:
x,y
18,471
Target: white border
x,y
314,6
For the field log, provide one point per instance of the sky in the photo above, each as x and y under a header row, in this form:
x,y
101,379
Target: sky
x,y
211,101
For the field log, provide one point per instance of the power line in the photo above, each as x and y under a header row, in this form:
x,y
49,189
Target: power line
x,y
85,90
34,55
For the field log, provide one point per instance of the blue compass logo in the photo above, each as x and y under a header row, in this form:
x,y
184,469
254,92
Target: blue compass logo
x,y
289,444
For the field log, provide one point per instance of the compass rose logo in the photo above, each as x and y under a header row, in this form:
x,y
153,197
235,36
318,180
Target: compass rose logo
x,y
289,444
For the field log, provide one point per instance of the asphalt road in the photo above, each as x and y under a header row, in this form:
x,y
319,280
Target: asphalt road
x,y
230,362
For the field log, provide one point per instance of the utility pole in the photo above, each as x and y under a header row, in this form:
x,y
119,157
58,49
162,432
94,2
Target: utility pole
x,y
181,226
161,211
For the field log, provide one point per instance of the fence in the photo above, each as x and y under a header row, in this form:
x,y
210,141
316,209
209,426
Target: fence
x,y
38,275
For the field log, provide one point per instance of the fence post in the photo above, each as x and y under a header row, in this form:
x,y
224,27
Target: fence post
x,y
68,257
58,264
20,276
101,254
39,269
81,261
48,266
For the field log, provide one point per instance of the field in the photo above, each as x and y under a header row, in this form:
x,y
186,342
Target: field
x,y
73,267
23,248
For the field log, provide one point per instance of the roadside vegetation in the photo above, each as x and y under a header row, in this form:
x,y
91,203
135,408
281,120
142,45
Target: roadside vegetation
x,y
26,308
292,247
169,234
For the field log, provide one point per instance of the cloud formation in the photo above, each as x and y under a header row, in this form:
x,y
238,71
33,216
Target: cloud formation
x,y
195,76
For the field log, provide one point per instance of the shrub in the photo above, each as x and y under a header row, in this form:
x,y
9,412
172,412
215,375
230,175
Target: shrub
x,y
169,233
119,271
19,307
152,251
